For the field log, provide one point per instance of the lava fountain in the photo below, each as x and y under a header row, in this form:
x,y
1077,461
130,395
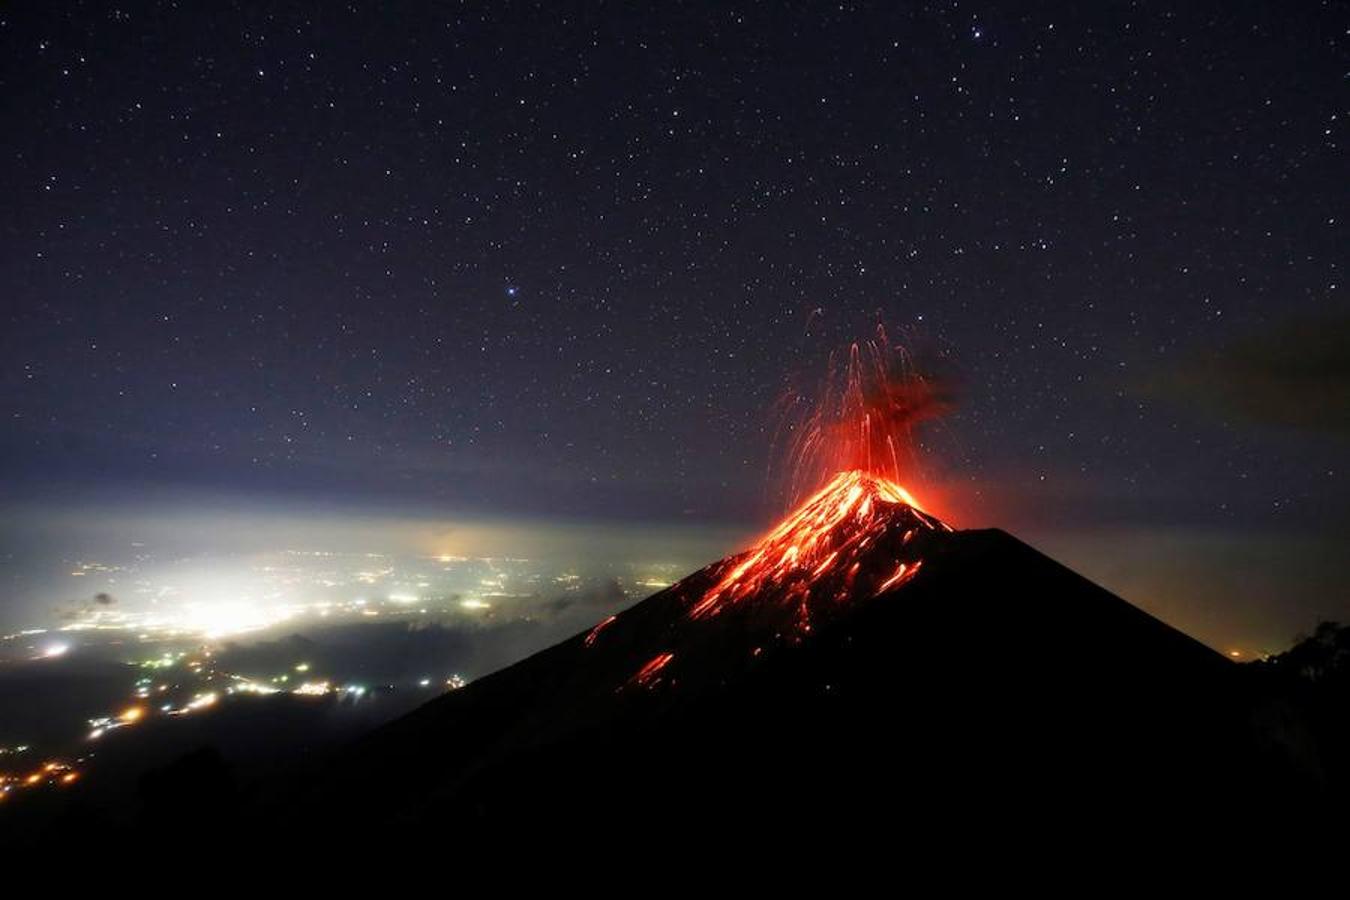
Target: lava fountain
x,y
861,417
856,534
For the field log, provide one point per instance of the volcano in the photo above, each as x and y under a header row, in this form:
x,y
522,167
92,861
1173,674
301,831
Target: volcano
x,y
863,662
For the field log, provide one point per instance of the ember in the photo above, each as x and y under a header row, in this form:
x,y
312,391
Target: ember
x,y
647,676
816,554
861,417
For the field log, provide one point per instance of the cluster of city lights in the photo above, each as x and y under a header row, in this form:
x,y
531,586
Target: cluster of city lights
x,y
178,614
52,773
164,603
173,684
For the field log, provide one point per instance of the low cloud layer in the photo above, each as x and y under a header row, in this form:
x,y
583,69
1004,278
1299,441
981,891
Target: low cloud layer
x,y
1295,376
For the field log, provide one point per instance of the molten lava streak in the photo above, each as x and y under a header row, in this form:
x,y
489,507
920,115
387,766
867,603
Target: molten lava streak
x,y
854,537
860,536
649,675
862,416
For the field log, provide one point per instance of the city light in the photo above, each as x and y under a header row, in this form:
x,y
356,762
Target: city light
x,y
172,625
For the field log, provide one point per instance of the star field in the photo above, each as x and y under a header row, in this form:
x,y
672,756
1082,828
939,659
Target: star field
x,y
549,258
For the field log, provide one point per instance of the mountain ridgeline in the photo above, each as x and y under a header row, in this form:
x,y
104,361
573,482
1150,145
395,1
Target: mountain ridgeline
x,y
863,663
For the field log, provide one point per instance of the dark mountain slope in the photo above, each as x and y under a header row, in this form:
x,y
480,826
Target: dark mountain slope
x,y
994,689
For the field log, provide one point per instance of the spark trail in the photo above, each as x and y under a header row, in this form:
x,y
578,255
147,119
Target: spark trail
x,y
828,550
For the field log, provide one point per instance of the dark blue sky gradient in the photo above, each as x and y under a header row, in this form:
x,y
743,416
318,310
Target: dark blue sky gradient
x,y
525,259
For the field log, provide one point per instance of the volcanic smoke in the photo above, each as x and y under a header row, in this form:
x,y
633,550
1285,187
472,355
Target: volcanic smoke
x,y
858,535
862,416
855,534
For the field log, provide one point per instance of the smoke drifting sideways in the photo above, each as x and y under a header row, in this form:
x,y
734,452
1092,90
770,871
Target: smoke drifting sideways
x,y
862,414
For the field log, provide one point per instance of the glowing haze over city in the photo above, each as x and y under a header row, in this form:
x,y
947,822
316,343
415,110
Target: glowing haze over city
x,y
349,354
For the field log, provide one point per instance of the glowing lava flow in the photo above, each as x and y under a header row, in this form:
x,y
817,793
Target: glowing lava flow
x,y
647,676
853,538
594,633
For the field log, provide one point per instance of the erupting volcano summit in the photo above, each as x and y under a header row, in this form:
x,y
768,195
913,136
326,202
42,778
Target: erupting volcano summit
x,y
857,538
859,659
816,555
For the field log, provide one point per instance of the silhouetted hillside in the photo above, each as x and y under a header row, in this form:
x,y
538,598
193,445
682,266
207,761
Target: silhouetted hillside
x,y
862,674
996,690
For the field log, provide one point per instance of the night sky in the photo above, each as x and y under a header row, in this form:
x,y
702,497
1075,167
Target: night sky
x,y
557,261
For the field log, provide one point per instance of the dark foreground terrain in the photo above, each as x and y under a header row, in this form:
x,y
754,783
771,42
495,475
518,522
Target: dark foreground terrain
x,y
996,696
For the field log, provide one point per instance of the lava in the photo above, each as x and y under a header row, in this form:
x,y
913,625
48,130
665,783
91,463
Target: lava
x,y
594,633
648,675
859,536
828,549
862,416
